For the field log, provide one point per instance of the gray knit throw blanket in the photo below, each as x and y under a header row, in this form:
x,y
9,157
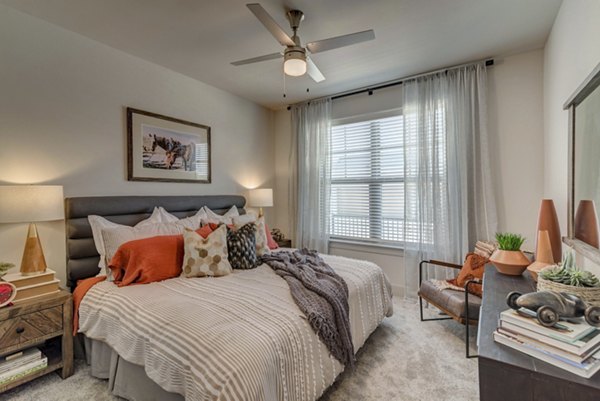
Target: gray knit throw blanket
x,y
321,294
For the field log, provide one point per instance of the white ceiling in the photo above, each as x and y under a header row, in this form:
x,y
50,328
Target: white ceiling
x,y
200,38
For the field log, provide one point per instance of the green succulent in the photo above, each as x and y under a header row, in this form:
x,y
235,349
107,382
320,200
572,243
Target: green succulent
x,y
4,267
509,241
569,274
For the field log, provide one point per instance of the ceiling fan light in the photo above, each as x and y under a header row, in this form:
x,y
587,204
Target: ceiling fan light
x,y
294,67
294,63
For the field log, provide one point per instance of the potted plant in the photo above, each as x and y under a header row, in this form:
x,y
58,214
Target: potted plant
x,y
567,277
508,258
5,267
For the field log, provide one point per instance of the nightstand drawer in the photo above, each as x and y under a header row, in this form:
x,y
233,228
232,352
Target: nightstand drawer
x,y
30,326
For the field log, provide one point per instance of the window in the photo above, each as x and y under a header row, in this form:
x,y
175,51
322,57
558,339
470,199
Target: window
x,y
374,167
202,161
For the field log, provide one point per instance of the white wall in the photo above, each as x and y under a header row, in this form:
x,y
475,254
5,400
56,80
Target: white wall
x,y
516,131
282,130
571,53
62,122
517,141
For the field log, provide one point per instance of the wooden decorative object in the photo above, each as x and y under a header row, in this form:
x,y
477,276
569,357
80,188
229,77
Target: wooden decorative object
x,y
33,261
586,223
543,254
512,263
548,221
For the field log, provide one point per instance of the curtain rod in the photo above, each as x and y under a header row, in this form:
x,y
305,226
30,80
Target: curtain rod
x,y
388,84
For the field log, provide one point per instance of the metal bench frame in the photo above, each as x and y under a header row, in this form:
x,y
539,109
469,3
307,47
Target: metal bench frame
x,y
467,321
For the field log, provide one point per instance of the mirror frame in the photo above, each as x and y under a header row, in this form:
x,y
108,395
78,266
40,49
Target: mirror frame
x,y
583,91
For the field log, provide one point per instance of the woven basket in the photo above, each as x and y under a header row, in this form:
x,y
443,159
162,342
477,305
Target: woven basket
x,y
591,295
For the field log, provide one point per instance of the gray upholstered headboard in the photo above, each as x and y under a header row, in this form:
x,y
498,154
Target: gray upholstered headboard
x,y
82,257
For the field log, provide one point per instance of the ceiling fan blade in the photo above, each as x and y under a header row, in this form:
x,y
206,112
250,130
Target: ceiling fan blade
x,y
313,71
340,41
258,59
269,23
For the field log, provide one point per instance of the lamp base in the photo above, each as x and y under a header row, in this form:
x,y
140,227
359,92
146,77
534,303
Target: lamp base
x,y
260,212
33,261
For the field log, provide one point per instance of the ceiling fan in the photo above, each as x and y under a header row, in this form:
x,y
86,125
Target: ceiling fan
x,y
296,60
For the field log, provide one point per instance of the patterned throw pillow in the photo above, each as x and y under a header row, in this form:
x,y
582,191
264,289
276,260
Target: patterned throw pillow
x,y
205,256
241,245
262,247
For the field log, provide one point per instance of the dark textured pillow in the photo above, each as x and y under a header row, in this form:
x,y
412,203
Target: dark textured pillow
x,y
241,247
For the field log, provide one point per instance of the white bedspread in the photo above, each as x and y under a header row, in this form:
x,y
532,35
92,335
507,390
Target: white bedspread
x,y
238,337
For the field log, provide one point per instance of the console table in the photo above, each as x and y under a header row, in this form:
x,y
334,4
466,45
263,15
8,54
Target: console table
x,y
507,374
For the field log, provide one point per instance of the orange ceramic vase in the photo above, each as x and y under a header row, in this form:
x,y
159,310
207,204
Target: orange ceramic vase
x,y
586,223
548,221
512,263
543,254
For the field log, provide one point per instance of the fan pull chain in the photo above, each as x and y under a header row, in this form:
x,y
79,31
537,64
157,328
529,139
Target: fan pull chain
x,y
284,89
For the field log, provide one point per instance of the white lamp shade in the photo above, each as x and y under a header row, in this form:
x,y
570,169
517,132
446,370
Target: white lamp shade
x,y
260,197
31,203
294,67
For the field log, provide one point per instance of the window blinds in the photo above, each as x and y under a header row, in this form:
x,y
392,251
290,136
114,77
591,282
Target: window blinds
x,y
374,167
202,161
367,176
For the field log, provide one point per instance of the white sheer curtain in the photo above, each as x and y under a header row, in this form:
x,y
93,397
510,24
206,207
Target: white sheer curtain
x,y
310,178
447,191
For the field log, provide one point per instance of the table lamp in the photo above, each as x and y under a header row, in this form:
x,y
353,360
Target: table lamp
x,y
31,204
260,197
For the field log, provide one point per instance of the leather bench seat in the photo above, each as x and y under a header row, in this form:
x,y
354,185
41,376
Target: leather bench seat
x,y
452,300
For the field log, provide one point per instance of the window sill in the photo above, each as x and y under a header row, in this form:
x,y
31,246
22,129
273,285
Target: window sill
x,y
357,246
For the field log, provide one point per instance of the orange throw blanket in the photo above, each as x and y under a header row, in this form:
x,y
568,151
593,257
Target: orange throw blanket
x,y
83,286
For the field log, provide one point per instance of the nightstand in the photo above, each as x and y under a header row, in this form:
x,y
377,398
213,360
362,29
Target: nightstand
x,y
44,322
285,243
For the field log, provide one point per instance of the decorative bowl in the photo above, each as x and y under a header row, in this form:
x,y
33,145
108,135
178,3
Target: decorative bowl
x,y
512,263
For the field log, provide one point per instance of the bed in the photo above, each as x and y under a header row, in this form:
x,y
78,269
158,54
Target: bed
x,y
238,337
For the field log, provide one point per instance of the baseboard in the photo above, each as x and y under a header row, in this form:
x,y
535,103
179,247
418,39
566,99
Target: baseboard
x,y
397,291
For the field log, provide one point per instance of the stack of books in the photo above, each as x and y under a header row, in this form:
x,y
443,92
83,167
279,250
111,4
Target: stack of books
x,y
570,345
16,366
33,286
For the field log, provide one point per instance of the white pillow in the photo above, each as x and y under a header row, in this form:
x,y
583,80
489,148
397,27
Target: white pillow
x,y
195,220
239,221
227,218
115,237
262,246
98,223
166,217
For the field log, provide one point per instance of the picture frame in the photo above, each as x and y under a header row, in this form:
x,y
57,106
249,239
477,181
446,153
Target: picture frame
x,y
167,149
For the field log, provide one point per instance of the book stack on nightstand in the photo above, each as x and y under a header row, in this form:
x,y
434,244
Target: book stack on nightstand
x,y
16,366
573,346
33,286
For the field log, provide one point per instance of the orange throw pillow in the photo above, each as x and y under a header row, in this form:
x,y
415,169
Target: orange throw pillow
x,y
148,260
473,268
205,231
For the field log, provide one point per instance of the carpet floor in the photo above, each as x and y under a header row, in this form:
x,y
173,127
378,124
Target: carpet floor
x,y
403,360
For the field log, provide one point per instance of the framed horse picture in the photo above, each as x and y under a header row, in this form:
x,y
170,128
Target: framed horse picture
x,y
166,149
